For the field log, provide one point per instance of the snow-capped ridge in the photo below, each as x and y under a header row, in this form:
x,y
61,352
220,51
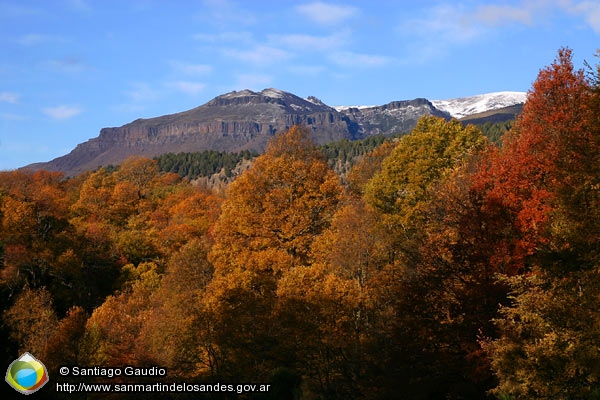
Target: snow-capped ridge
x,y
456,107
269,92
247,120
346,108
464,106
274,93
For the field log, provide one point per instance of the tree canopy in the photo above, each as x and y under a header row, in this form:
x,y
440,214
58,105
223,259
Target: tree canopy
x,y
434,265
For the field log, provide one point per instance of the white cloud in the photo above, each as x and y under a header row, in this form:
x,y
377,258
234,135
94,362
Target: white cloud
x,y
68,65
361,60
590,11
236,37
311,42
9,97
454,23
80,5
141,92
62,112
327,14
444,26
17,11
307,70
191,69
33,39
187,87
139,95
127,108
253,81
496,15
225,12
443,23
12,117
259,55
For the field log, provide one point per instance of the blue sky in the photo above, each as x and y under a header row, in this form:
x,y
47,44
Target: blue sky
x,y
72,67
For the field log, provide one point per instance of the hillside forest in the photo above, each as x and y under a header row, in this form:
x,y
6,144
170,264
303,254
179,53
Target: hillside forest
x,y
443,265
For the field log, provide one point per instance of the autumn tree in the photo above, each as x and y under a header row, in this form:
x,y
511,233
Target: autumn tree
x,y
548,343
112,331
34,215
422,200
448,296
63,346
185,214
402,188
38,238
367,167
319,312
331,309
176,332
73,242
274,210
269,220
32,320
140,172
94,196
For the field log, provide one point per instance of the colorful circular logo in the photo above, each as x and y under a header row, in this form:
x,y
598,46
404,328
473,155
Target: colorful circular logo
x,y
26,374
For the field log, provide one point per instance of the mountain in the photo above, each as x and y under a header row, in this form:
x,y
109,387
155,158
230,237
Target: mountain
x,y
235,121
247,120
394,117
462,107
496,115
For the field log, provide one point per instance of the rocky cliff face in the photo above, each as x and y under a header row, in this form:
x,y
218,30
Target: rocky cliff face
x,y
235,121
394,117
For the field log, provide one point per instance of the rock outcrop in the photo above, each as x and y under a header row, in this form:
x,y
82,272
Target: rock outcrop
x,y
236,121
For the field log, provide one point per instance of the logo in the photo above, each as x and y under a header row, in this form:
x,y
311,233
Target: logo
x,y
26,374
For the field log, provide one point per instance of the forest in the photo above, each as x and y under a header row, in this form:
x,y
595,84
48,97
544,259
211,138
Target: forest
x,y
341,155
443,266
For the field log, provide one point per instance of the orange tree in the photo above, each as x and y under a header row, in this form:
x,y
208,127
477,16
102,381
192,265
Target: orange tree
x,y
269,220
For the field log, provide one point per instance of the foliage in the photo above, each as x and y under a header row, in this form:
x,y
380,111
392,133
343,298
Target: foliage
x,y
495,130
402,188
340,156
447,267
548,343
205,163
271,216
275,209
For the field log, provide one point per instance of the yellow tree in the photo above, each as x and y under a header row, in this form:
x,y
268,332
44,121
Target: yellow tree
x,y
176,333
329,310
35,328
269,220
185,214
367,167
32,320
63,346
275,209
402,189
112,331
94,196
141,172
321,316
425,354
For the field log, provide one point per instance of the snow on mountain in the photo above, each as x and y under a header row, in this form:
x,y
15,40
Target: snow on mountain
x,y
461,107
346,108
274,93
247,120
270,92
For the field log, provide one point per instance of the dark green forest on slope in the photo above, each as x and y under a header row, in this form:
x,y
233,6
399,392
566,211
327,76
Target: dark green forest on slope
x,y
341,155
